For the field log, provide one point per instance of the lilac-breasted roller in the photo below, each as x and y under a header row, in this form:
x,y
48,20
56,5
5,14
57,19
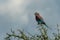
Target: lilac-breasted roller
x,y
39,19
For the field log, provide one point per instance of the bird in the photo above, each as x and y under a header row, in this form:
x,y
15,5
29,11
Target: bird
x,y
39,19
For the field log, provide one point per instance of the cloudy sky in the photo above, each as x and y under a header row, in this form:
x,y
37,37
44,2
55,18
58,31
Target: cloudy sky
x,y
19,14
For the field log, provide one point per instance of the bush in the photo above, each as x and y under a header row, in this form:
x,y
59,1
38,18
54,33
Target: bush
x,y
23,36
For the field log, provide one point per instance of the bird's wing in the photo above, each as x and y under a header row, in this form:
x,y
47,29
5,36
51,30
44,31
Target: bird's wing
x,y
39,17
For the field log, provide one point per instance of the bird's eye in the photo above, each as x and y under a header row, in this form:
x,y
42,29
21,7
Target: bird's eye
x,y
37,14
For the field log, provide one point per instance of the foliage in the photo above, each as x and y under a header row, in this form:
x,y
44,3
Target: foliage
x,y
42,36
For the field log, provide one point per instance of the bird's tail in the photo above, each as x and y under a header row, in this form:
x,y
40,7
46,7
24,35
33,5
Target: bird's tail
x,y
48,27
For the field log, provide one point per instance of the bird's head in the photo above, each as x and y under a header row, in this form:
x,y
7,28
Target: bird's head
x,y
36,13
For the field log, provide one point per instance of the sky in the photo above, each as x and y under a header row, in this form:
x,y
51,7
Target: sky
x,y
19,14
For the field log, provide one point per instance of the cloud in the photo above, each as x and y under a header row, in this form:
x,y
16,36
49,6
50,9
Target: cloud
x,y
14,5
11,5
13,13
14,9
